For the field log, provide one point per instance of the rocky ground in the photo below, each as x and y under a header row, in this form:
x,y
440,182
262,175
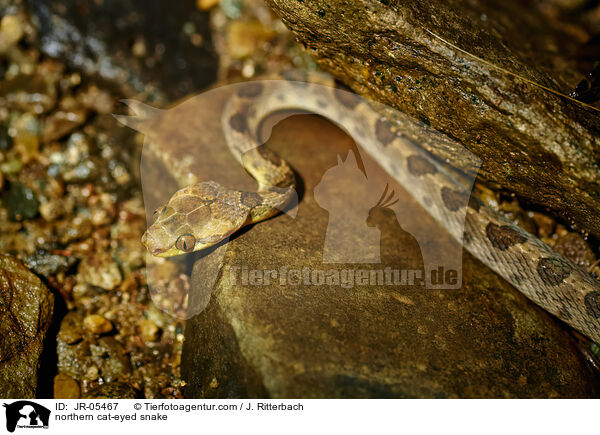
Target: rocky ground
x,y
72,214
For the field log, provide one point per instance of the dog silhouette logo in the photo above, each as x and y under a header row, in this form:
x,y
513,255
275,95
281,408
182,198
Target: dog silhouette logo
x,y
25,414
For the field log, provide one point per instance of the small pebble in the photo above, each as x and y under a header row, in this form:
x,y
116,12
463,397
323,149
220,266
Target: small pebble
x,y
92,373
148,330
245,38
576,249
139,48
51,210
27,145
6,142
61,123
214,383
11,31
79,228
97,100
97,324
102,209
46,264
100,270
20,202
66,387
527,223
206,5
487,196
545,224
71,328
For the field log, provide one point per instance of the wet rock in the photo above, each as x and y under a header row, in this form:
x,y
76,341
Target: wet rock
x,y
545,224
46,264
112,390
6,142
172,61
149,331
27,145
87,170
71,328
97,324
25,313
102,209
11,31
531,142
244,38
100,270
106,357
73,359
205,5
20,202
109,356
11,166
66,387
92,374
482,340
129,253
51,210
78,228
61,123
96,99
30,93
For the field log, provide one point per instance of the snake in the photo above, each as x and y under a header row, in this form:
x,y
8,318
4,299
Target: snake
x,y
203,214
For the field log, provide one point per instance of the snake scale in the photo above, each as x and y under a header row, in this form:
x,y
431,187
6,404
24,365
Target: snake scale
x,y
202,214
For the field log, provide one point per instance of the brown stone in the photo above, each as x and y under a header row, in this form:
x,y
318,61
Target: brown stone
x,y
26,308
483,340
66,387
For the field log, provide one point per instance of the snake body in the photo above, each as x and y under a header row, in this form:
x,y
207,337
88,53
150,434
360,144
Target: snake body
x,y
202,214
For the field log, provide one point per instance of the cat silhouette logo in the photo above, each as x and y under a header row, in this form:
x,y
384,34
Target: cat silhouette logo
x,y
26,415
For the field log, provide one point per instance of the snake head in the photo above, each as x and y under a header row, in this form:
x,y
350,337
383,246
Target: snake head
x,y
194,218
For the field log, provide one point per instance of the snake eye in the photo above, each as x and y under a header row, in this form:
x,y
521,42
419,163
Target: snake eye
x,y
158,212
186,243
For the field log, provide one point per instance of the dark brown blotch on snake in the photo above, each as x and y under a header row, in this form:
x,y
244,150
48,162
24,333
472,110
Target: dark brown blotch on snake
x,y
347,99
287,180
269,155
553,270
251,199
383,132
503,237
454,199
238,120
419,166
592,304
250,90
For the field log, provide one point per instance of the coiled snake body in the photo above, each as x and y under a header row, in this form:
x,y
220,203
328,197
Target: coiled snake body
x,y
202,214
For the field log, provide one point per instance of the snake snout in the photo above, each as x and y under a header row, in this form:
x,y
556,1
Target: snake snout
x,y
151,244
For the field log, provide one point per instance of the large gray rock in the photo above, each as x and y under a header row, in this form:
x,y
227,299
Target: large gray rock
x,y
25,313
534,143
484,340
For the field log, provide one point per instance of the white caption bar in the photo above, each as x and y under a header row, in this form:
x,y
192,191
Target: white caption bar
x,y
299,416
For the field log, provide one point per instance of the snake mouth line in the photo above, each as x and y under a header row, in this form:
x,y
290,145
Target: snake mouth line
x,y
149,243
